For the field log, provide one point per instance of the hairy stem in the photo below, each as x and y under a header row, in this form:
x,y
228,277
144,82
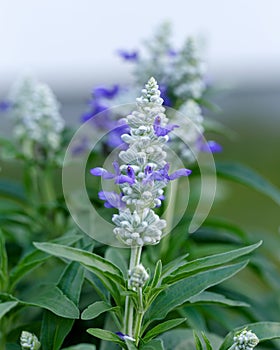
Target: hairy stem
x,y
135,257
139,317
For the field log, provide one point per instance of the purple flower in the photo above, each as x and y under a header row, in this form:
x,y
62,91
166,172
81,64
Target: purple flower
x,y
162,130
210,146
112,199
124,336
5,105
130,172
162,174
172,53
118,177
96,107
103,92
164,95
214,146
129,56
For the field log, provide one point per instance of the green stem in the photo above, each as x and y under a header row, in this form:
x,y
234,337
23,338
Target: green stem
x,y
135,257
139,317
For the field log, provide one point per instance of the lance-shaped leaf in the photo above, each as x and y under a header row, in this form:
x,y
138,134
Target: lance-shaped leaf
x,y
215,298
96,309
89,260
181,291
106,335
6,307
162,327
50,297
248,177
36,258
208,262
55,328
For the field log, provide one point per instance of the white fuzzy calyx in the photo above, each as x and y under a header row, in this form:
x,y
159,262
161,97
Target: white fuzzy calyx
x,y
138,276
134,229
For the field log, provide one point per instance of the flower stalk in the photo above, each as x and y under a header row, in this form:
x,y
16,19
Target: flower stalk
x,y
141,177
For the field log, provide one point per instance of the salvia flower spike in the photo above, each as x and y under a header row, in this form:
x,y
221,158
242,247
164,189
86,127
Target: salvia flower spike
x,y
144,172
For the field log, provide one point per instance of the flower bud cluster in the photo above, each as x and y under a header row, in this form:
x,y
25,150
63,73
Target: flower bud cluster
x,y
187,77
191,119
181,71
29,341
245,340
137,277
36,113
138,229
146,171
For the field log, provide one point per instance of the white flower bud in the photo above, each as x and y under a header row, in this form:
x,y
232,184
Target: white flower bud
x,y
137,277
29,341
245,340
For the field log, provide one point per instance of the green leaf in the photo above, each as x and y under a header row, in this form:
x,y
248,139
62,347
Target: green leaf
x,y
263,330
109,274
207,342
71,281
162,327
209,262
130,345
157,275
82,346
117,258
215,298
50,297
181,291
95,309
105,335
36,258
155,344
197,342
99,287
182,339
174,265
89,260
6,307
246,176
55,328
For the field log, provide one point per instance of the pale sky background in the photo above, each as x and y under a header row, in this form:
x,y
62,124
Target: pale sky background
x,y
71,43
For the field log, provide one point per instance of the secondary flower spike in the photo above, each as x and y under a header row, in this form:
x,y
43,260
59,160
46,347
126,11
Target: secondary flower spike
x,y
144,172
